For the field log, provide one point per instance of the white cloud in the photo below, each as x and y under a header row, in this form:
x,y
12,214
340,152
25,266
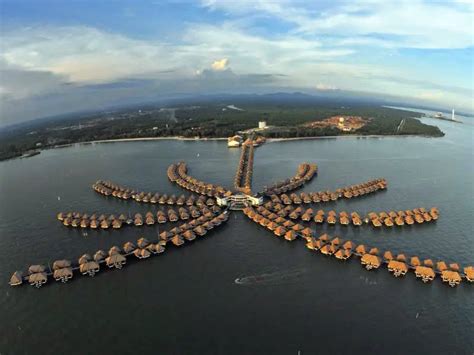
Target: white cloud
x,y
430,95
43,60
220,64
325,87
408,23
84,54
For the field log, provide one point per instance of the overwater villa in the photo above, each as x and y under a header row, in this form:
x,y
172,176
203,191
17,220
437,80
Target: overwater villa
x,y
370,261
398,268
451,277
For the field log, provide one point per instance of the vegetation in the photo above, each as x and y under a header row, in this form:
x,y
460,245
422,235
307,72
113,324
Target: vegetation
x,y
209,120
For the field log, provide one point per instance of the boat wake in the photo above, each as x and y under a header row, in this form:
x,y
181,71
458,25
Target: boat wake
x,y
271,278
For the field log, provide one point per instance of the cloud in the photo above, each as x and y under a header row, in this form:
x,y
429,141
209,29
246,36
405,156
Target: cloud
x,y
17,83
430,95
220,64
400,24
83,54
318,45
325,87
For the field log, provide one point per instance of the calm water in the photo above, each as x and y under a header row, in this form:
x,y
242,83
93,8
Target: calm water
x,y
186,301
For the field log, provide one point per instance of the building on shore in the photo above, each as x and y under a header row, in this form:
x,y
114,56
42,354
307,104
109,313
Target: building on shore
x,y
234,142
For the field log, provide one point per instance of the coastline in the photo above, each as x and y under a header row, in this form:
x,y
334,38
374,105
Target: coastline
x,y
269,140
178,138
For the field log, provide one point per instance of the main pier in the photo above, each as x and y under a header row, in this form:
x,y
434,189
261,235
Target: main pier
x,y
277,208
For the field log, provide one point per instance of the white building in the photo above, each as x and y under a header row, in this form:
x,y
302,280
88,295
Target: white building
x,y
262,124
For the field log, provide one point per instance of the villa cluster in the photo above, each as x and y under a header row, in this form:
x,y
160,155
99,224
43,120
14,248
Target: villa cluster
x,y
277,208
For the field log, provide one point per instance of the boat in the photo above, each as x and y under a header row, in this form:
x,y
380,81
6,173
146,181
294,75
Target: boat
x,y
269,278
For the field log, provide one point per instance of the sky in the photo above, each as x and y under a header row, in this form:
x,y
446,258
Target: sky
x,y
67,56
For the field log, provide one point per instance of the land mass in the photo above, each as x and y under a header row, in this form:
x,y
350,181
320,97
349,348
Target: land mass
x,y
218,119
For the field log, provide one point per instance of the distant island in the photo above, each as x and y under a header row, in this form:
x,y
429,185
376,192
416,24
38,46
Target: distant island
x,y
204,120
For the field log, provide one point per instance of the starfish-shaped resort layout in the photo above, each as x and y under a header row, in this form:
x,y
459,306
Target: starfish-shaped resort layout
x,y
277,208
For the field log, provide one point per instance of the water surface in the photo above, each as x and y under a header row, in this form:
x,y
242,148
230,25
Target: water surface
x,y
186,301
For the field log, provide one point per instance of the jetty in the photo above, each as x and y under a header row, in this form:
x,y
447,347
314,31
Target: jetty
x,y
370,257
116,257
374,219
243,175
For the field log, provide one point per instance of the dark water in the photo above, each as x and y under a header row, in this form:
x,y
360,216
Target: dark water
x,y
186,301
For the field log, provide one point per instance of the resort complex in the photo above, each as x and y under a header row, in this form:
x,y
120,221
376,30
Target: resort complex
x,y
278,208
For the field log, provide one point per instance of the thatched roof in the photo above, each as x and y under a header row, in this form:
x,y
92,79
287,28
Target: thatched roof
x,y
397,265
361,249
454,267
114,250
115,259
177,240
324,237
325,250
189,235
89,266
279,231
174,230
339,254
141,253
401,257
33,269
63,273
441,266
388,255
469,272
165,235
348,245
415,261
424,271
16,278
290,235
272,225
452,277
200,230
142,242
371,261
39,277
99,255
280,220
428,262
59,264
128,247
374,251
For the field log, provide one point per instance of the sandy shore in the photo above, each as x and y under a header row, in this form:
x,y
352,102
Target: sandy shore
x,y
154,139
269,140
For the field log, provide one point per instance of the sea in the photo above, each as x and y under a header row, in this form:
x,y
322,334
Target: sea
x,y
187,300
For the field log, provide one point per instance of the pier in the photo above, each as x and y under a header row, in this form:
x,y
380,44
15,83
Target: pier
x,y
116,257
381,219
243,176
369,257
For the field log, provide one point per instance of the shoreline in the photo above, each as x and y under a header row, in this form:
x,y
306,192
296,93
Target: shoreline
x,y
269,140
178,138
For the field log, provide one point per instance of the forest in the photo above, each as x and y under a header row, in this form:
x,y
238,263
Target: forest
x,y
209,120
